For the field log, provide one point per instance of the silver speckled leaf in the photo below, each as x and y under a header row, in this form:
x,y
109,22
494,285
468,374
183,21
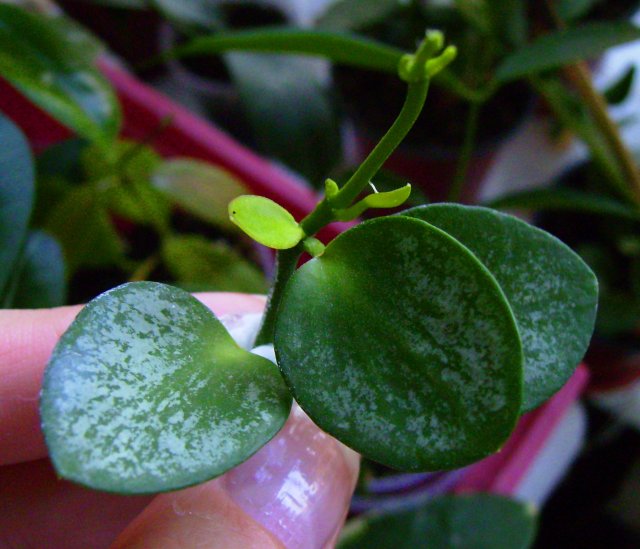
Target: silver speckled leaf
x,y
147,392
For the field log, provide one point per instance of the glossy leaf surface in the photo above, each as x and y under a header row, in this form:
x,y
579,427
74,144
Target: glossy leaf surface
x,y
51,62
481,521
147,392
16,195
199,188
399,343
552,292
196,262
40,280
265,221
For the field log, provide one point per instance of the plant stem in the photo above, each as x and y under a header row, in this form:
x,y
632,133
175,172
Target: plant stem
x,y
416,96
578,74
417,70
468,146
286,263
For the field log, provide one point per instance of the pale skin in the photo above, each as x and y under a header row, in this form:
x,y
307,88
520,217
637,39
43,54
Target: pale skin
x,y
293,494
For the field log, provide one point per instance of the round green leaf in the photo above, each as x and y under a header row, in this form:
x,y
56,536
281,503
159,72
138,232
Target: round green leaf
x,y
265,221
552,292
147,392
201,189
479,521
398,342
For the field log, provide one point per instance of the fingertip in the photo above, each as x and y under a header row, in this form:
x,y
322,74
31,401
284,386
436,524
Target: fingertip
x,y
225,303
203,516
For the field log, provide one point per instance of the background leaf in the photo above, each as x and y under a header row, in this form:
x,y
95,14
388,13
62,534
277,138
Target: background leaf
x,y
40,279
51,62
480,521
566,200
16,195
399,343
290,110
349,15
195,262
199,188
123,178
147,392
82,226
566,46
552,292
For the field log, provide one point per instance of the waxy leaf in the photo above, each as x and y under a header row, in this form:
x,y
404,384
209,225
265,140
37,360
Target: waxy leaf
x,y
398,342
147,392
479,521
16,195
552,292
51,62
265,221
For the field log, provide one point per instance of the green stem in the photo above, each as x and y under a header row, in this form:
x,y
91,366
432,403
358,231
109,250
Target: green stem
x,y
417,70
468,146
416,96
286,263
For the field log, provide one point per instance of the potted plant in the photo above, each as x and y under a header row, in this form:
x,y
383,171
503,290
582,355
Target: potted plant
x,y
281,228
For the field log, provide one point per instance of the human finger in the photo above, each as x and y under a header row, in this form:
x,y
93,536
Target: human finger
x,y
294,493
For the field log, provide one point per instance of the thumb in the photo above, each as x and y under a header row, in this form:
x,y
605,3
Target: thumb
x,y
293,493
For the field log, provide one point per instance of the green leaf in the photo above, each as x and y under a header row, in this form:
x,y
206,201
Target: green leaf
x,y
147,392
399,343
40,280
16,195
559,199
619,90
265,221
195,261
291,111
479,521
194,16
123,177
508,20
201,189
552,292
51,62
82,226
566,46
349,15
340,48
569,10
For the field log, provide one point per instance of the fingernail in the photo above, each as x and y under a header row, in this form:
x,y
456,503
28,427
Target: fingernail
x,y
298,486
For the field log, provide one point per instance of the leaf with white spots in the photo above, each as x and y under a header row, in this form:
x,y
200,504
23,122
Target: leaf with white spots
x,y
552,292
399,342
147,392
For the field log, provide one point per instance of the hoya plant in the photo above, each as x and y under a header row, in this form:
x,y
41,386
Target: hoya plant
x,y
417,339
